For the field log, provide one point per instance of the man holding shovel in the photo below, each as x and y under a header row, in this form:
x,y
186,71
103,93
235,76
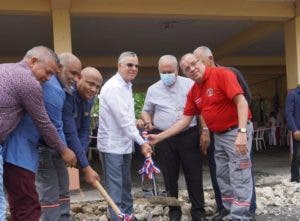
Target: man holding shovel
x,y
117,132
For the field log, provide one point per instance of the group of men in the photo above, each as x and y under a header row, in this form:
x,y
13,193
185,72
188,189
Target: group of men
x,y
45,104
45,107
182,115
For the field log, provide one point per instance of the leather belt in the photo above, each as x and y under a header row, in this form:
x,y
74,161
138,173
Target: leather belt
x,y
183,133
232,128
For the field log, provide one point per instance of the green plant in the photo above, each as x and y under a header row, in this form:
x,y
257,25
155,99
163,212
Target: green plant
x,y
139,98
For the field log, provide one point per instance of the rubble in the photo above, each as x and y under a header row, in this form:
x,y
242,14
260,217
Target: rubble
x,y
275,196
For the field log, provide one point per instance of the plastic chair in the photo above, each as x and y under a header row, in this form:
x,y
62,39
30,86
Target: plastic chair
x,y
259,138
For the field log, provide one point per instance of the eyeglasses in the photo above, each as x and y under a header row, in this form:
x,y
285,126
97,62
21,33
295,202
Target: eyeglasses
x,y
130,65
167,72
188,69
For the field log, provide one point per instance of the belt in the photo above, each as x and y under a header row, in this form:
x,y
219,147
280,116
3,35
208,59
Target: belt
x,y
232,128
183,133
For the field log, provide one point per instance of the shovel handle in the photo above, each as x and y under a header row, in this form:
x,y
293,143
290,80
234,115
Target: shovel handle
x,y
107,198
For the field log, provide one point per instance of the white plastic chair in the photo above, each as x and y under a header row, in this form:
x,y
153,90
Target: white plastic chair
x,y
259,138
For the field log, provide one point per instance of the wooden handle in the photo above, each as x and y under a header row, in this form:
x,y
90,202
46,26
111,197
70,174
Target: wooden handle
x,y
107,198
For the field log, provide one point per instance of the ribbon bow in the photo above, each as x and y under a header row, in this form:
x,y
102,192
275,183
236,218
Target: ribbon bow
x,y
126,217
148,169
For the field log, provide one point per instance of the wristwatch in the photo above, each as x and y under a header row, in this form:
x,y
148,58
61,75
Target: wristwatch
x,y
242,130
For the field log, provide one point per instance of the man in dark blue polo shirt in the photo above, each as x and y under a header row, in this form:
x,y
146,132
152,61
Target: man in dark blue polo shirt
x,y
292,114
77,119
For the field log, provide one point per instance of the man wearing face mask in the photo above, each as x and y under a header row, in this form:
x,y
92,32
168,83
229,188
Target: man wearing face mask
x,y
163,107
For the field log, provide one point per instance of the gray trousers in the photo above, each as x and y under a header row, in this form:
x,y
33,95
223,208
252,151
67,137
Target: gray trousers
x,y
52,183
234,173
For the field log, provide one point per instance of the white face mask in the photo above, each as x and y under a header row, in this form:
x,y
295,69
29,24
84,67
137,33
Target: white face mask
x,y
168,79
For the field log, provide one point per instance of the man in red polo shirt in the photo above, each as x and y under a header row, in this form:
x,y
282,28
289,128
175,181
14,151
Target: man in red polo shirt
x,y
218,97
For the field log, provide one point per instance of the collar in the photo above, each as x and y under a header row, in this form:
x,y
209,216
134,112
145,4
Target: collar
x,y
206,75
122,81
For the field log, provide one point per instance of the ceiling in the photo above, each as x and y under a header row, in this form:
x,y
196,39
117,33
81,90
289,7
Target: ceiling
x,y
96,36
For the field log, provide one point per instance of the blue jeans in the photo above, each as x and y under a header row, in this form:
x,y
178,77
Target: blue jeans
x,y
117,175
2,197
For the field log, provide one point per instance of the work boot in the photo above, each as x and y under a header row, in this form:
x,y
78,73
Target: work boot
x,y
221,214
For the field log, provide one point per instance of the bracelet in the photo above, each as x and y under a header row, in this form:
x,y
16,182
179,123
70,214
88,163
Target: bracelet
x,y
205,128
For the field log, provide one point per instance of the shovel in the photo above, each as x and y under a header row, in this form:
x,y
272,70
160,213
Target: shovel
x,y
122,216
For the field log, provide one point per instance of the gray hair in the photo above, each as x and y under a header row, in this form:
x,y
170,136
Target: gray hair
x,y
66,58
184,57
42,53
170,58
125,55
203,51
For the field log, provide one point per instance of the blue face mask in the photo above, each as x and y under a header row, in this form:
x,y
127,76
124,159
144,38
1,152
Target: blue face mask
x,y
168,79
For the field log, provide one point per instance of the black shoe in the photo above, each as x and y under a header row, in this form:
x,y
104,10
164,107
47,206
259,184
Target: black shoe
x,y
295,180
175,215
221,214
199,217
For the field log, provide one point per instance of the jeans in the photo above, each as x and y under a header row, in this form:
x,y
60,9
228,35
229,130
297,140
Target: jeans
x,y
116,168
52,183
2,197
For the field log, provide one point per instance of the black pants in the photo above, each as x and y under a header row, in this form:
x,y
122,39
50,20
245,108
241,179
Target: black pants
x,y
183,149
295,165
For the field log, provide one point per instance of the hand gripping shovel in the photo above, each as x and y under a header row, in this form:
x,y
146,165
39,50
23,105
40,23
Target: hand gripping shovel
x,y
122,216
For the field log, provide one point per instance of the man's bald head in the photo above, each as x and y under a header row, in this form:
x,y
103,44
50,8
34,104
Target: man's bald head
x,y
205,55
89,83
70,69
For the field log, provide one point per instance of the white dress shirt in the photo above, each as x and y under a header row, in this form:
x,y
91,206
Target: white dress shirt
x,y
166,104
117,123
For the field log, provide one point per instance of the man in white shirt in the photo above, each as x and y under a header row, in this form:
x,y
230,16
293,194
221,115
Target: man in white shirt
x,y
117,132
163,107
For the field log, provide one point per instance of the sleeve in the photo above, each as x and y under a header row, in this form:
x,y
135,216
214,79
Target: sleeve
x,y
191,108
70,131
148,105
229,83
121,110
290,112
31,97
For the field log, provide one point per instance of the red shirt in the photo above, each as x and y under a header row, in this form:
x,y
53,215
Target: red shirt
x,y
213,98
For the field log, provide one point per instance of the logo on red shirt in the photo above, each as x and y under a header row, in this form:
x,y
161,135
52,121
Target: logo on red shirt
x,y
210,92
